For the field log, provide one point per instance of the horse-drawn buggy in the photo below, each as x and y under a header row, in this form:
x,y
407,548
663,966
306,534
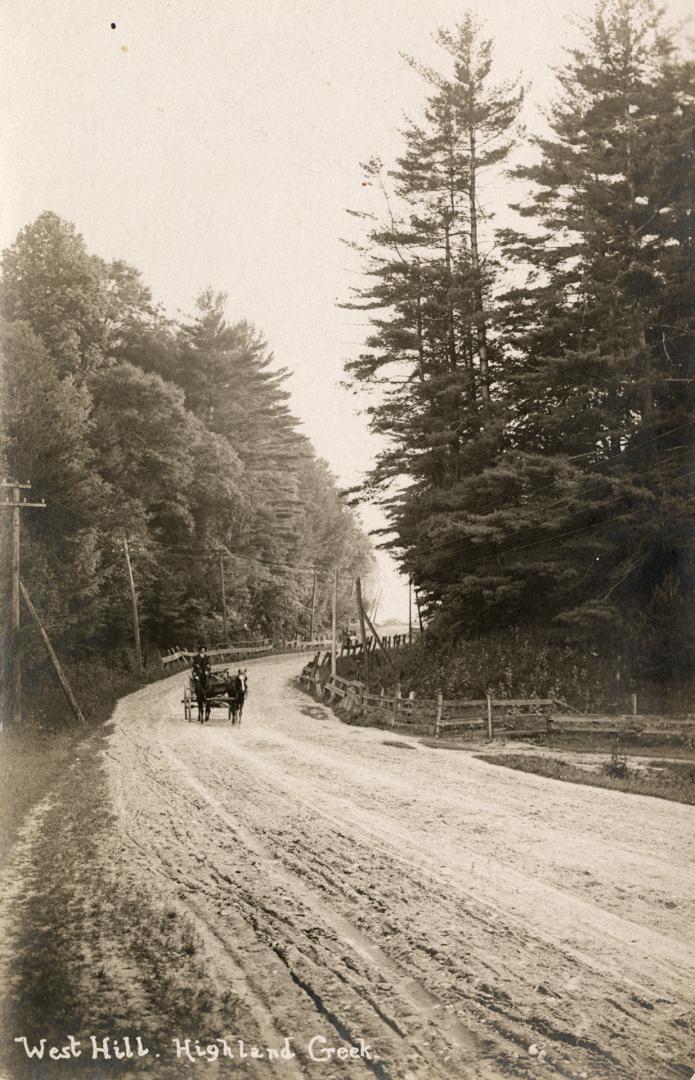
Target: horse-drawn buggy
x,y
209,690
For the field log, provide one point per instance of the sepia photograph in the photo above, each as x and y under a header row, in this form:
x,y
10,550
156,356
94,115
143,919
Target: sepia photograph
x,y
347,539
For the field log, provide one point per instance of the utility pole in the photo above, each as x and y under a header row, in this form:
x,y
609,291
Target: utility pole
x,y
378,595
224,601
378,641
419,611
313,603
410,609
134,599
16,504
334,623
363,632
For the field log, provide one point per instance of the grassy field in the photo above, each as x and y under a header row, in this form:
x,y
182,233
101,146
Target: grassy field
x,y
663,779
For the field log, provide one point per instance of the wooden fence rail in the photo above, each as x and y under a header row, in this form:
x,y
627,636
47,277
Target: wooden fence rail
x,y
431,716
441,718
237,650
391,642
180,655
302,645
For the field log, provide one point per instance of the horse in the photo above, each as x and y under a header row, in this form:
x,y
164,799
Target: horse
x,y
201,683
235,695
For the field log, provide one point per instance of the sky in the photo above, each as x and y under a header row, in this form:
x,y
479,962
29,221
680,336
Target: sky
x,y
218,143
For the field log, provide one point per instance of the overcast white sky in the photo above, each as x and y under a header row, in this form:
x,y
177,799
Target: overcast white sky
x,y
218,143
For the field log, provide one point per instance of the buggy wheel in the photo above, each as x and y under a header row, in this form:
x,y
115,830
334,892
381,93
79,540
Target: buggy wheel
x,y
187,711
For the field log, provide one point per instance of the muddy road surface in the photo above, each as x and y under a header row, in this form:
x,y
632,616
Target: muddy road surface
x,y
298,896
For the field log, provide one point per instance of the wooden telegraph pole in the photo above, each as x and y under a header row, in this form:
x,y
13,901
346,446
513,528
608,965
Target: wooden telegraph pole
x,y
224,601
134,599
363,632
419,611
334,627
378,641
313,604
16,503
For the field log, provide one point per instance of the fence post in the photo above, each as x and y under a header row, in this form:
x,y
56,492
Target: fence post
x,y
438,718
396,700
633,701
489,716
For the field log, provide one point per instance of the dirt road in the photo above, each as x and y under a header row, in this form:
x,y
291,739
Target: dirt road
x,y
345,884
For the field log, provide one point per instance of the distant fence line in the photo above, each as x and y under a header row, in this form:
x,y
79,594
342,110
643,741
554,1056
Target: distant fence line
x,y
392,642
439,717
180,656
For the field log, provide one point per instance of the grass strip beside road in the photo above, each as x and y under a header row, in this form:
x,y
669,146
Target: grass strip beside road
x,y
673,780
29,764
95,949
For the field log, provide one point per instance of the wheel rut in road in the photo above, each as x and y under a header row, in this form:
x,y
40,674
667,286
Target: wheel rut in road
x,y
417,997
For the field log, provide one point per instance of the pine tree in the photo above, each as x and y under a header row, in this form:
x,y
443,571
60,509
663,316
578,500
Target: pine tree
x,y
436,355
232,383
593,511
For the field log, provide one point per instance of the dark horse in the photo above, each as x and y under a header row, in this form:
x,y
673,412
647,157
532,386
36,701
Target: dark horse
x,y
236,695
201,682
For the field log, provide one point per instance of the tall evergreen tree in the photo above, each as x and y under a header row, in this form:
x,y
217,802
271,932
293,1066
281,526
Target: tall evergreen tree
x,y
553,486
435,354
585,517
231,382
602,388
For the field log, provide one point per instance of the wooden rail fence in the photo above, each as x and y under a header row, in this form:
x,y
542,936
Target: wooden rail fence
x,y
441,718
427,716
392,642
179,656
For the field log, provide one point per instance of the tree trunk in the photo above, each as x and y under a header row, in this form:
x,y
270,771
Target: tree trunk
x,y
480,328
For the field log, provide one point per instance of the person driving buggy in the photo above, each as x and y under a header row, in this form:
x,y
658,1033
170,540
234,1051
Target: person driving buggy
x,y
201,665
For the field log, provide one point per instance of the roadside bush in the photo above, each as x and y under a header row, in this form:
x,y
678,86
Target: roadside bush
x,y
616,766
97,683
514,663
